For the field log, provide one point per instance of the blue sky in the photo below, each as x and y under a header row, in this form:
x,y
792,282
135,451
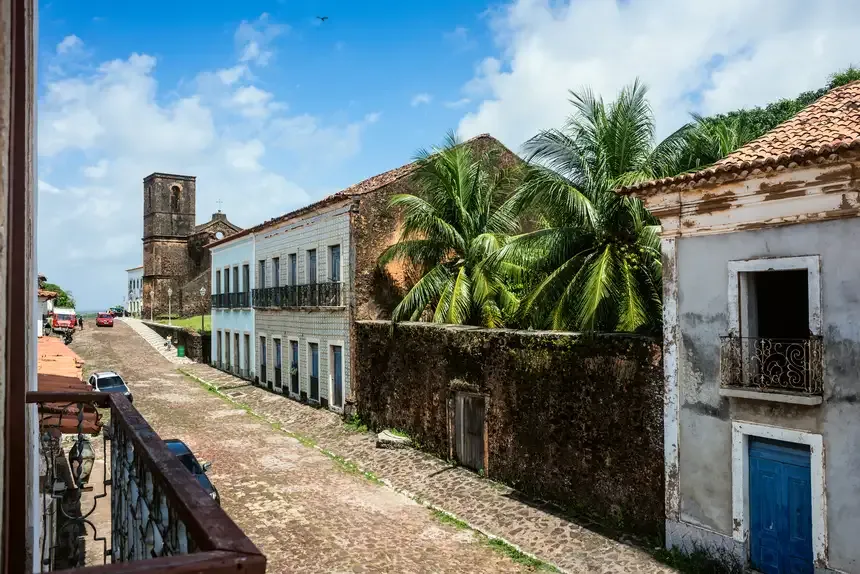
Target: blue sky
x,y
272,109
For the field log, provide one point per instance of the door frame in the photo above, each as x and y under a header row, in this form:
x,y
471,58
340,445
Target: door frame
x,y
320,348
741,431
290,341
452,423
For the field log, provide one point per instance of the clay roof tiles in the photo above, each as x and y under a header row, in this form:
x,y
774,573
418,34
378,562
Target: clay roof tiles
x,y
826,126
60,370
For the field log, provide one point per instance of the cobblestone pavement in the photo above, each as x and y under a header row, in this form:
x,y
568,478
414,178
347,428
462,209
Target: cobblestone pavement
x,y
306,511
487,506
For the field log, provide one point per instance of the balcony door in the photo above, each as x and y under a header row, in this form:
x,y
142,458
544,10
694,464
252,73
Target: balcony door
x,y
247,361
236,363
277,363
262,360
337,376
294,367
314,374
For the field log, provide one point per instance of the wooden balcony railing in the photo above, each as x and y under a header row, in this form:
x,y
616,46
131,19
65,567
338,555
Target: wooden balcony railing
x,y
160,519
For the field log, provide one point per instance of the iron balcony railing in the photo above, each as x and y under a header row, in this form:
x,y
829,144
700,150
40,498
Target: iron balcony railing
x,y
159,518
231,300
772,365
288,296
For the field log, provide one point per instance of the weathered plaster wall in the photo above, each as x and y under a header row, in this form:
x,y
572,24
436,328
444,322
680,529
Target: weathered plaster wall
x,y
571,418
705,417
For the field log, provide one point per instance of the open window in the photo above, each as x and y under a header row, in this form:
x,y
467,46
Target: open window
x,y
774,342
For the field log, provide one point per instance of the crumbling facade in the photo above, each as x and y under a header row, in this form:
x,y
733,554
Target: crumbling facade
x,y
175,258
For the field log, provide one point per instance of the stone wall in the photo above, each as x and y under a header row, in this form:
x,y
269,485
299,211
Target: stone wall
x,y
574,419
191,303
191,340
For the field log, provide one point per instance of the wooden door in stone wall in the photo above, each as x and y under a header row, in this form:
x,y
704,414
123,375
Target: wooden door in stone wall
x,y
470,430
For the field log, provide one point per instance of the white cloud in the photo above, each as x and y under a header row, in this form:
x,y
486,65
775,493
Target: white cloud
x,y
230,76
460,38
254,39
252,102
420,99
45,187
96,171
704,56
458,103
104,126
69,44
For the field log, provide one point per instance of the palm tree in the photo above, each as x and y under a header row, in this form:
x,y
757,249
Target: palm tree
x,y
460,214
707,140
597,256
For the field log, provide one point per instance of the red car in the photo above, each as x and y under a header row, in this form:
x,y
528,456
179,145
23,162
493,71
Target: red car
x,y
104,320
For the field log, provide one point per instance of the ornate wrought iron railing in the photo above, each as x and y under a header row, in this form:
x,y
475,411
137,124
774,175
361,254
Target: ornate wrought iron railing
x,y
119,496
772,365
219,301
311,295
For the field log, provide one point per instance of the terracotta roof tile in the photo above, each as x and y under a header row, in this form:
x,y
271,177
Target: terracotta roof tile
x,y
60,369
826,126
48,294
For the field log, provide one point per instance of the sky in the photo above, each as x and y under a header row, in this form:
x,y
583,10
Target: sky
x,y
271,108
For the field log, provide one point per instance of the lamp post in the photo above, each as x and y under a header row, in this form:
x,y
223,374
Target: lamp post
x,y
151,303
169,312
202,308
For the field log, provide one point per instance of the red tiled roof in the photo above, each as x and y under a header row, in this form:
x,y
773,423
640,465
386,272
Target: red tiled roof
x,y
828,125
60,370
363,187
48,294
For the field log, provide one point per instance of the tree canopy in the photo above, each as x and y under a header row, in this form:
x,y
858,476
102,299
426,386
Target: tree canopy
x,y
64,298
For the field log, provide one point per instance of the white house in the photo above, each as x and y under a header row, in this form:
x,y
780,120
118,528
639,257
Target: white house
x,y
762,345
46,307
134,291
232,328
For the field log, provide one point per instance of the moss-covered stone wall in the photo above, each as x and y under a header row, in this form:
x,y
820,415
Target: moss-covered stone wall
x,y
573,419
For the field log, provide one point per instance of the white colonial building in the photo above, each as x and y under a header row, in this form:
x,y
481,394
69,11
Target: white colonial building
x,y
232,314
134,291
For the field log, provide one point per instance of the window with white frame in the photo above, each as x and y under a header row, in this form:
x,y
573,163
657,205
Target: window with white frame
x,y
774,342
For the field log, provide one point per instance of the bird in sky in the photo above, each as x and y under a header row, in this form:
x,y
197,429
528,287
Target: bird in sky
x,y
322,18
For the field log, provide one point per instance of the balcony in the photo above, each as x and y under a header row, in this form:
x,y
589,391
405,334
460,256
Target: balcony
x,y
136,510
785,367
231,300
293,296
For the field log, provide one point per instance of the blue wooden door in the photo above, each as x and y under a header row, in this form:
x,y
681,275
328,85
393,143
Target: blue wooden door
x,y
780,494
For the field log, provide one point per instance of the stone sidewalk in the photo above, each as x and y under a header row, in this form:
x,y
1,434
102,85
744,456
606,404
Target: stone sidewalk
x,y
156,340
486,506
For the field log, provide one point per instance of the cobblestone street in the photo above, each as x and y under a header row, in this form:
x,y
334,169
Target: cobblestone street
x,y
306,511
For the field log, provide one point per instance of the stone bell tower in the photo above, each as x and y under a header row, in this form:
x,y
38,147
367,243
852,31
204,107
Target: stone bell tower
x,y
168,222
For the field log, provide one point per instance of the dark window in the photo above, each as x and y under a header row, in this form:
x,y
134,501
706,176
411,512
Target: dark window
x,y
314,352
312,267
276,271
246,278
235,280
226,281
778,305
262,283
334,263
217,282
175,193
292,278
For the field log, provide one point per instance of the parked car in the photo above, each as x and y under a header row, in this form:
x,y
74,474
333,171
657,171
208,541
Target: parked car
x,y
109,382
104,320
63,320
187,458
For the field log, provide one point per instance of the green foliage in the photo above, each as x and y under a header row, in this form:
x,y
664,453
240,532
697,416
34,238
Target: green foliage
x,y
460,214
761,120
64,298
700,561
597,253
355,424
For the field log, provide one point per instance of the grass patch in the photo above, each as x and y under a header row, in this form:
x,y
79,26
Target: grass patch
x,y
520,557
700,561
189,322
446,518
398,432
355,424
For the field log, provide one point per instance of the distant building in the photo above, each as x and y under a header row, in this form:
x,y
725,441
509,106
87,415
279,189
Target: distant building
x,y
174,247
134,296
285,292
46,304
762,345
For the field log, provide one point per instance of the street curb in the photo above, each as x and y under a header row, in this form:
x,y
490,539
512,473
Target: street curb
x,y
384,481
